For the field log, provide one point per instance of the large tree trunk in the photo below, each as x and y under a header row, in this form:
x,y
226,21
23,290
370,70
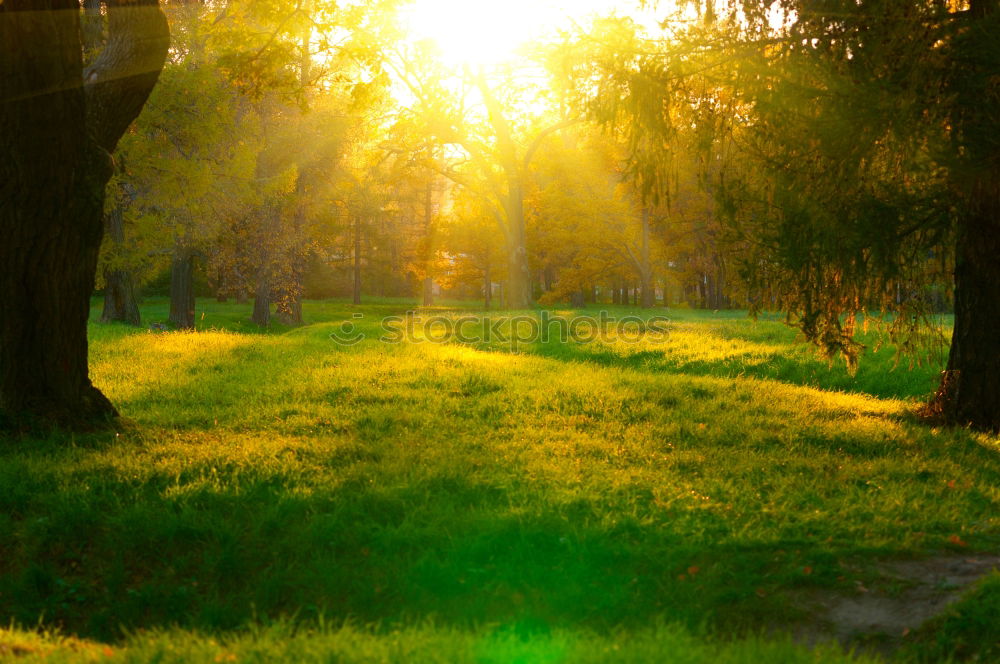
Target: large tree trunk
x,y
969,393
120,303
261,315
182,288
288,307
518,270
58,128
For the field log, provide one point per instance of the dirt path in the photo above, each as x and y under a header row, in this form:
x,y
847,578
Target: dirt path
x,y
909,594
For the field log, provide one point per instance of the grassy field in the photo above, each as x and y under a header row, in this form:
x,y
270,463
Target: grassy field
x,y
281,495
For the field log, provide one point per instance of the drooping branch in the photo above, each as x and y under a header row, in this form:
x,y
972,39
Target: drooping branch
x,y
121,78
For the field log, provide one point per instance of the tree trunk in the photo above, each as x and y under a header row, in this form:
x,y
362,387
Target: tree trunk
x,y
487,286
518,270
262,302
969,393
120,303
119,286
182,288
428,285
646,273
58,127
357,261
289,308
428,292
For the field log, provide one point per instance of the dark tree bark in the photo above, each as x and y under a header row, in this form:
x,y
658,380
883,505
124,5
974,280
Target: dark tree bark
x,y
969,393
182,288
288,304
970,386
288,309
59,126
261,315
120,304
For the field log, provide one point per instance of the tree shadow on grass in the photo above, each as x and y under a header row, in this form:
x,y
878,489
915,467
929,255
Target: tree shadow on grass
x,y
129,536
877,376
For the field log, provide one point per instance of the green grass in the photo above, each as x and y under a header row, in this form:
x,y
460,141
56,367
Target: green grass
x,y
449,502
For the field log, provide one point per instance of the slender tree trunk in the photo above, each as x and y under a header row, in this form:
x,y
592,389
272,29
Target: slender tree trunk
x,y
646,274
487,286
357,261
182,288
428,284
427,290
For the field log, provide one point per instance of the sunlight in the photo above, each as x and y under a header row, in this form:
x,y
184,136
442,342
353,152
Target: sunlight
x,y
483,33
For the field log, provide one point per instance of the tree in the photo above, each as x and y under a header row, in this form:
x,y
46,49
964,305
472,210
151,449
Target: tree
x,y
485,125
862,139
59,125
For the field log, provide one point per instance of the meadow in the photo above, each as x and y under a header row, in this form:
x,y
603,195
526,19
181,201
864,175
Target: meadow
x,y
280,496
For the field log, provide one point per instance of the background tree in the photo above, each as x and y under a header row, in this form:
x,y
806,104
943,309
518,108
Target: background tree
x,y
860,140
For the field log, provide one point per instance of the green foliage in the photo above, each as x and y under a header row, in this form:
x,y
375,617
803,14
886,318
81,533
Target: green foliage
x,y
826,134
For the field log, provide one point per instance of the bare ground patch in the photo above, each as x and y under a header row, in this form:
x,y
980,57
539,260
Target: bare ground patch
x,y
908,594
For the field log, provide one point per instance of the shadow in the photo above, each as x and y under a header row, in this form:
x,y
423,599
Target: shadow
x,y
288,477
146,533
792,365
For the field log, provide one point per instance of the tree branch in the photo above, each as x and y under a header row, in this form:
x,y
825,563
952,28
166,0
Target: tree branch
x,y
121,78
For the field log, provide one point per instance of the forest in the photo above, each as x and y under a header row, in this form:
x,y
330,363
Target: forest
x,y
443,331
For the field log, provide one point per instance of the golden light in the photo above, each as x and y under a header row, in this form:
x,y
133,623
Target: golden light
x,y
489,32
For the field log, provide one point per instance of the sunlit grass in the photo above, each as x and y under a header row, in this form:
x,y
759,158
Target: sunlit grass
x,y
578,492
